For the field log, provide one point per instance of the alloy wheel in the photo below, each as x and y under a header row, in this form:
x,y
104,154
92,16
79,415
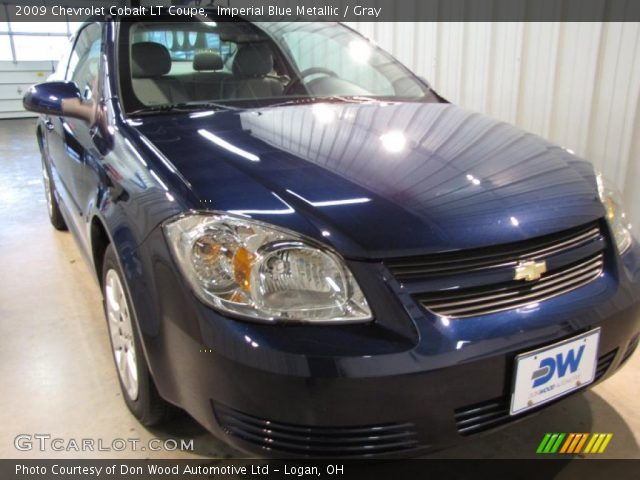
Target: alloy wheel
x,y
47,188
121,330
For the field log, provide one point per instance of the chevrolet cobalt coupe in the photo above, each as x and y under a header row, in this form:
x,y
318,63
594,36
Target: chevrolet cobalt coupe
x,y
304,246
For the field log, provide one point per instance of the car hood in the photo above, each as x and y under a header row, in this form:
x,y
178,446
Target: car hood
x,y
377,179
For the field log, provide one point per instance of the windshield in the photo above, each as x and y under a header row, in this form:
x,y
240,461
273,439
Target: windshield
x,y
235,63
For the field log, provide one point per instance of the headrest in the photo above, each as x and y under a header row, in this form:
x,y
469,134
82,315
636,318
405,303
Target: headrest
x,y
149,59
207,61
252,60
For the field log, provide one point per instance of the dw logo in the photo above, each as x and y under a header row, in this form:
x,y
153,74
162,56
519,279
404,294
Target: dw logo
x,y
560,363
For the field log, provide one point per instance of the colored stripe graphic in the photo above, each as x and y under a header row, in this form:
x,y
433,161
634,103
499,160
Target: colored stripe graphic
x,y
573,443
581,443
556,446
567,443
591,443
544,441
576,439
606,441
550,443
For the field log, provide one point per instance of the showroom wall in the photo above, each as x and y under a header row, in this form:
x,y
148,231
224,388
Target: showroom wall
x,y
576,84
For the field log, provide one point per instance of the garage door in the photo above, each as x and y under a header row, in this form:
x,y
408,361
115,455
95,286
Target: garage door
x,y
15,79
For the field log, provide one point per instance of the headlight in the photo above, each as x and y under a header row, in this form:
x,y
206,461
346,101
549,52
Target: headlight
x,y
612,201
262,272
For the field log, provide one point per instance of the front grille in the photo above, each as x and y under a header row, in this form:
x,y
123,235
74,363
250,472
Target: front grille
x,y
350,441
492,413
574,258
514,294
436,265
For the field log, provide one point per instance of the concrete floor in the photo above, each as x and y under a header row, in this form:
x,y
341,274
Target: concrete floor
x,y
55,360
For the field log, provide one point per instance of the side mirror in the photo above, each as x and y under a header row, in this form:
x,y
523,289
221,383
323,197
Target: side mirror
x,y
58,99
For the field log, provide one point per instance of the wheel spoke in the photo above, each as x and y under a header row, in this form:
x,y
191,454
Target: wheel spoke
x,y
117,354
112,300
132,372
114,330
122,368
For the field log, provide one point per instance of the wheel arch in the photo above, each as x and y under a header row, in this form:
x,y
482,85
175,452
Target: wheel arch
x,y
100,240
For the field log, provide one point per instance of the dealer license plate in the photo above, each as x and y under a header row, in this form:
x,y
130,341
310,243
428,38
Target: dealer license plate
x,y
551,372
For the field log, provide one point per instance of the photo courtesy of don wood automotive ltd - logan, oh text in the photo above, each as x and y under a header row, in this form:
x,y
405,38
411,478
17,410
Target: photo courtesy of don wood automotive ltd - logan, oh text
x,y
319,238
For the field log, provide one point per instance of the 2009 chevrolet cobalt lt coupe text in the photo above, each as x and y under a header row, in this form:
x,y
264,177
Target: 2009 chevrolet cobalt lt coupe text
x,y
309,250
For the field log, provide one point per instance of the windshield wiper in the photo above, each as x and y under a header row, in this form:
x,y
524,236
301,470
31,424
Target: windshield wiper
x,y
327,99
182,108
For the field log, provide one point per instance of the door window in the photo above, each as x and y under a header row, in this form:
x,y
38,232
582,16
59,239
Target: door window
x,y
63,63
84,63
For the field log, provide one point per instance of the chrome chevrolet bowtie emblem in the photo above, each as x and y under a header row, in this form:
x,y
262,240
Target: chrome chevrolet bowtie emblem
x,y
530,270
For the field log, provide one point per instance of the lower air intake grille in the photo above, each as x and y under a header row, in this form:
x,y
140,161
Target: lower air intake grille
x,y
630,349
514,294
480,417
492,413
352,441
604,362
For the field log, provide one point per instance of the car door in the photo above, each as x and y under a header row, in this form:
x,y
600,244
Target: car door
x,y
52,132
73,148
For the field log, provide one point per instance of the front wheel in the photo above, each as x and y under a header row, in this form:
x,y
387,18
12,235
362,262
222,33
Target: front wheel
x,y
139,391
55,215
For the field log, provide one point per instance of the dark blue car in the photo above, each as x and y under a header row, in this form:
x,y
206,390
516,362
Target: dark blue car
x,y
305,247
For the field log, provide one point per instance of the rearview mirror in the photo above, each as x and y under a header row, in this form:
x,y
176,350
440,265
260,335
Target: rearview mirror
x,y
58,99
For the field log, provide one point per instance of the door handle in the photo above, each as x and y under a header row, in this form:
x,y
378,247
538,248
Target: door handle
x,y
48,123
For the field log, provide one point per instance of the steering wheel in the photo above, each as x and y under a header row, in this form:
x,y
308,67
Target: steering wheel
x,y
306,73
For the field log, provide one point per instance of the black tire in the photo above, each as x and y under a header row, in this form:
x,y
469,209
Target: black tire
x,y
148,407
55,215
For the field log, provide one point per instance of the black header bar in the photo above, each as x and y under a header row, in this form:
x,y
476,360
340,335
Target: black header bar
x,y
335,10
453,469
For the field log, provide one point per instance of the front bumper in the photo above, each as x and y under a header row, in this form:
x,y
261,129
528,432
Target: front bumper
x,y
279,415
405,384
